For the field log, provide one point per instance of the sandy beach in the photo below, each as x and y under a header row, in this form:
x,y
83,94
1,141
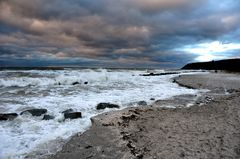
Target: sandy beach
x,y
205,126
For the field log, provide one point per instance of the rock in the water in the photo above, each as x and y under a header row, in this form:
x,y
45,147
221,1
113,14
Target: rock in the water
x,y
75,83
67,111
106,105
47,117
142,103
73,115
35,112
159,74
8,116
85,82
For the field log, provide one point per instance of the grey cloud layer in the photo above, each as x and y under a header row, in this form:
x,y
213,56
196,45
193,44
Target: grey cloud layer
x,y
129,32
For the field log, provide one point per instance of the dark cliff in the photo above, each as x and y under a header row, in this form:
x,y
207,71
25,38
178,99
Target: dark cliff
x,y
229,65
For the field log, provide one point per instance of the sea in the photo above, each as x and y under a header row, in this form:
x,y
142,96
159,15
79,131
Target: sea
x,y
79,89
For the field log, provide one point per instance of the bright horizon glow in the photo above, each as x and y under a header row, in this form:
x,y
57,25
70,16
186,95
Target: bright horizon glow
x,y
211,51
209,57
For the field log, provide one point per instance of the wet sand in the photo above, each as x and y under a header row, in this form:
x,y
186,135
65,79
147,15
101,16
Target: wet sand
x,y
206,126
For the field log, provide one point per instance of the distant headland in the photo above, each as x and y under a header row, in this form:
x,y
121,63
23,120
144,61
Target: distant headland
x,y
228,64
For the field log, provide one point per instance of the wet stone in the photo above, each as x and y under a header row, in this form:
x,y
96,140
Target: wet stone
x,y
75,83
67,111
142,103
106,105
8,116
73,115
34,112
47,117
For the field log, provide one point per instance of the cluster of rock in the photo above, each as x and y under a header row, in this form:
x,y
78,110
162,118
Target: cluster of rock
x,y
68,114
159,74
76,83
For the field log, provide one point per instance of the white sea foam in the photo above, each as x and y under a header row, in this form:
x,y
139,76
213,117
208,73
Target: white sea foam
x,y
54,91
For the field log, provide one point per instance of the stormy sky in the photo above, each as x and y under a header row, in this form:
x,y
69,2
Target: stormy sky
x,y
117,33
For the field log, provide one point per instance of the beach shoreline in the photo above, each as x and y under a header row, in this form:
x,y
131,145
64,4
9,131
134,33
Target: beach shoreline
x,y
207,128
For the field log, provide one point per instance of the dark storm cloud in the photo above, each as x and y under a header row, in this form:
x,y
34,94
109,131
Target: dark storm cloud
x,y
106,32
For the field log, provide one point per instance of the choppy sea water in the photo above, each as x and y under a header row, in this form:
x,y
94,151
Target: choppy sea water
x,y
53,90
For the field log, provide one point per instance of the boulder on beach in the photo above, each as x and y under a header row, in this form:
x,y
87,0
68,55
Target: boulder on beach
x,y
34,112
106,105
72,115
47,117
8,116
